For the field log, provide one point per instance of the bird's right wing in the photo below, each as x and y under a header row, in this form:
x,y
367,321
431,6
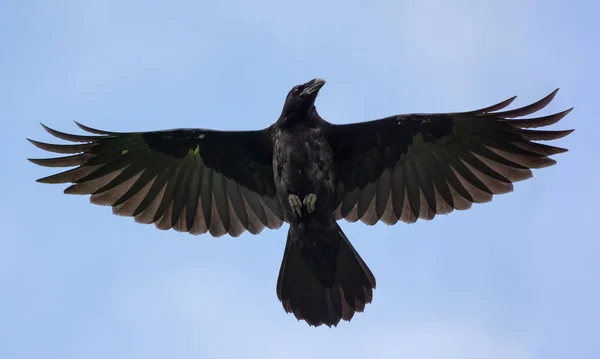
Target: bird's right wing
x,y
191,180
412,166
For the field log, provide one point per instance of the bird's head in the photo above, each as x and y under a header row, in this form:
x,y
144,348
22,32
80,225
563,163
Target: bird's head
x,y
300,101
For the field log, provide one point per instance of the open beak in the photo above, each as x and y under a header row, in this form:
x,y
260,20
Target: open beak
x,y
312,86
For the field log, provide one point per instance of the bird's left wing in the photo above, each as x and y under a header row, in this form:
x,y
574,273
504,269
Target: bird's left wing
x,y
414,166
191,180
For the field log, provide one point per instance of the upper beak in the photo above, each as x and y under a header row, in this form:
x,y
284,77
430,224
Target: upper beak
x,y
313,86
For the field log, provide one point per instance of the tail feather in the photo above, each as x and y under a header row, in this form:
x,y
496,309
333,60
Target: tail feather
x,y
322,279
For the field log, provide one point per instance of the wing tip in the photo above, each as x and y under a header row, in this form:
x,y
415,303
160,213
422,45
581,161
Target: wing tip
x,y
95,130
496,107
48,129
37,161
550,96
529,109
565,133
45,180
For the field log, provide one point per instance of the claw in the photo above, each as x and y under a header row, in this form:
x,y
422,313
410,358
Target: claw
x,y
295,204
309,202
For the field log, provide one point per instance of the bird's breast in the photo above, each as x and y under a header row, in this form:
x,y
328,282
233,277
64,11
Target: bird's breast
x,y
303,163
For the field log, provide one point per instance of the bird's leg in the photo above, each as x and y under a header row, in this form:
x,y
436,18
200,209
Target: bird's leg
x,y
295,204
309,202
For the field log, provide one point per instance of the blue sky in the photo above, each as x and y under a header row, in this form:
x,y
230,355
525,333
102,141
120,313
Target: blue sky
x,y
515,278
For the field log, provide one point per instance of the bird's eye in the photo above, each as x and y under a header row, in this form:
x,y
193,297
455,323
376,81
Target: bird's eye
x,y
297,90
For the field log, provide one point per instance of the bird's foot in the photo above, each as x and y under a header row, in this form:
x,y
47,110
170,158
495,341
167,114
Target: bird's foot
x,y
295,204
310,201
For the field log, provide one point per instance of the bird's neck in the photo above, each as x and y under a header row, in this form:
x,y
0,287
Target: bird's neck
x,y
308,118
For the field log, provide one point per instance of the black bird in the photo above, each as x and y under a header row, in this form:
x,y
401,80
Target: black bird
x,y
309,173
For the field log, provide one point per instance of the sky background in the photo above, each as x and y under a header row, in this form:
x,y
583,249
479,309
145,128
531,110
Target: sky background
x,y
515,278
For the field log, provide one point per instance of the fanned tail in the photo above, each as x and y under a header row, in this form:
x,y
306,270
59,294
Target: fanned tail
x,y
322,278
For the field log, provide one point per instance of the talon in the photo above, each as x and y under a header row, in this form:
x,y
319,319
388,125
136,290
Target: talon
x,y
310,201
295,204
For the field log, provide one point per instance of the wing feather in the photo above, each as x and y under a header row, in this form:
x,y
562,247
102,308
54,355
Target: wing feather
x,y
193,196
384,188
413,166
189,180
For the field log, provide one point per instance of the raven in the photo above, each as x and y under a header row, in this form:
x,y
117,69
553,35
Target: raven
x,y
309,173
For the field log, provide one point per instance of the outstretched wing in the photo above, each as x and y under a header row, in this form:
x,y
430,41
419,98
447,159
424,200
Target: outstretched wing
x,y
191,180
414,166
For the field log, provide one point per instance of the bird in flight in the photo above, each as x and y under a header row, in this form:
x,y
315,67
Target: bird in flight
x,y
309,173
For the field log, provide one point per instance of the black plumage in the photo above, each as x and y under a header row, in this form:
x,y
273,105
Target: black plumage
x,y
309,173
